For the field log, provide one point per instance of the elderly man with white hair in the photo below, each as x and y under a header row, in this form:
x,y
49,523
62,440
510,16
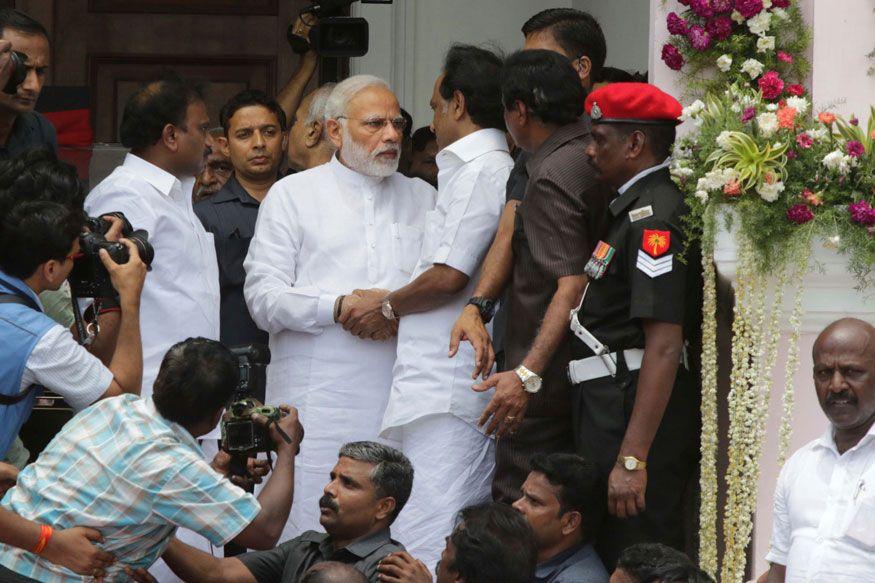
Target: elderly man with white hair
x,y
353,223
309,145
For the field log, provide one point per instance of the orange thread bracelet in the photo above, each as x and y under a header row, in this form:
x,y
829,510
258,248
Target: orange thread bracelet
x,y
45,533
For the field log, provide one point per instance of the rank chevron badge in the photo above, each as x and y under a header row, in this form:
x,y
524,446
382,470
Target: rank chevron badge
x,y
599,261
652,260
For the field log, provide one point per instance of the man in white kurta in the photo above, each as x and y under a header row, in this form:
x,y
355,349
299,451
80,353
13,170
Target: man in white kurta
x,y
320,235
432,409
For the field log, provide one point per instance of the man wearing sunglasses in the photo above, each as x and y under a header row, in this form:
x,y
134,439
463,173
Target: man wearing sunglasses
x,y
38,243
353,223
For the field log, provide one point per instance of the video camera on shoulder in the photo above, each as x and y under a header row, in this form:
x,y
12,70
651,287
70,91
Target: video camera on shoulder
x,y
89,277
241,436
334,35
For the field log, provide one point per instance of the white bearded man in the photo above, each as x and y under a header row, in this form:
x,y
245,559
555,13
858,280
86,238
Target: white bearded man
x,y
321,234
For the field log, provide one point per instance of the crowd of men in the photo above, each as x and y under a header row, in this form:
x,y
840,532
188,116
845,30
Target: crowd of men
x,y
417,441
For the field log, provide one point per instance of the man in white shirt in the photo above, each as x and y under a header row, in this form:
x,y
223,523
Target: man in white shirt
x,y
165,125
432,410
321,234
824,514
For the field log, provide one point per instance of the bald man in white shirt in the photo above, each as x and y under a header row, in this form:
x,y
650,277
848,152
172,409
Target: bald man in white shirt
x,y
824,515
354,223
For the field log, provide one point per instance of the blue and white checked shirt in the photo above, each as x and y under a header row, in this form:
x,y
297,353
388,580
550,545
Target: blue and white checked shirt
x,y
121,468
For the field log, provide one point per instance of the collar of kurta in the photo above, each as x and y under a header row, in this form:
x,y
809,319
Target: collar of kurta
x,y
162,180
472,146
827,441
556,140
623,201
361,547
350,176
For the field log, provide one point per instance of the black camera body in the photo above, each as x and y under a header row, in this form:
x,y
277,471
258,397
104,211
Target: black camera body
x,y
335,35
241,436
89,278
17,62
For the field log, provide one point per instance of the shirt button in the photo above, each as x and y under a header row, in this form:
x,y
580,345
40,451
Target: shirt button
x,y
373,245
819,540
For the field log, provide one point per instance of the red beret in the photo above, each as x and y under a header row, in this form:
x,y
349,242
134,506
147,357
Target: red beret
x,y
632,103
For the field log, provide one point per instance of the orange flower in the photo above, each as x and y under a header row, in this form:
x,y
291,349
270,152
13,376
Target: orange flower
x,y
826,118
811,198
872,134
787,117
732,188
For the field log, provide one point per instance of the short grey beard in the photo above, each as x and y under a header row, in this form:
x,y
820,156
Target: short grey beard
x,y
364,162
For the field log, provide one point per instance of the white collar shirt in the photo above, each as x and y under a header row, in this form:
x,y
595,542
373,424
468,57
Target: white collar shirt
x,y
824,513
642,174
181,294
322,233
472,178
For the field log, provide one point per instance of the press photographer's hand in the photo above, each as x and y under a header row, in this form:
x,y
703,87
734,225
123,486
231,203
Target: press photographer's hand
x,y
115,227
127,278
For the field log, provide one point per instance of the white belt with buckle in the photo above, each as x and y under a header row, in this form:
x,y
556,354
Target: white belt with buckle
x,y
596,367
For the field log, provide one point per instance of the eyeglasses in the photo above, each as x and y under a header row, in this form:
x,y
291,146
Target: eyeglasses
x,y
75,256
377,124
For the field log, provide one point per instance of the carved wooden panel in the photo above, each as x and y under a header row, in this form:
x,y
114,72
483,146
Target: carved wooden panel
x,y
268,7
114,77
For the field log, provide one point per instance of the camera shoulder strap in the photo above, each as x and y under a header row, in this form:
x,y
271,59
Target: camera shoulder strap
x,y
23,300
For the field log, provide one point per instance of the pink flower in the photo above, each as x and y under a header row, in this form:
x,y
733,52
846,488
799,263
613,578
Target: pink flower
x,y
702,8
699,39
720,27
676,24
787,117
804,141
862,213
684,2
791,154
799,214
732,188
785,57
748,114
811,198
720,6
854,121
796,90
672,57
780,3
771,85
855,149
749,8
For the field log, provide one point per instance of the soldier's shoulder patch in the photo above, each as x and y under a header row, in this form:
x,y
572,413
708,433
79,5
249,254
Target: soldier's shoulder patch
x,y
654,267
655,242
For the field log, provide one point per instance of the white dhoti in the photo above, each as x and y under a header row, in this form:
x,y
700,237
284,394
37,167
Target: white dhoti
x,y
452,464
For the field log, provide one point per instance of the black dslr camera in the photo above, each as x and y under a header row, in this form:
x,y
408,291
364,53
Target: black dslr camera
x,y
89,278
241,436
18,74
334,35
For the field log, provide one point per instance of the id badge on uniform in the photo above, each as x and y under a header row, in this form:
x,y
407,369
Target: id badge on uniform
x,y
599,261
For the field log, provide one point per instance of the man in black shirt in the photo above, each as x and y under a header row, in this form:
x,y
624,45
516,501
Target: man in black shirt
x,y
635,399
369,486
22,128
254,126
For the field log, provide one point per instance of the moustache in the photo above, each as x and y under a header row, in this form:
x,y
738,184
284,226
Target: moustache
x,y
328,502
843,396
392,149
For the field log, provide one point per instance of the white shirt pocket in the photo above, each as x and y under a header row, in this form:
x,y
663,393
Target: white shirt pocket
x,y
861,529
406,246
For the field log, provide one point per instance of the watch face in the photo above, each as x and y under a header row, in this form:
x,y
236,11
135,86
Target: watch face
x,y
630,464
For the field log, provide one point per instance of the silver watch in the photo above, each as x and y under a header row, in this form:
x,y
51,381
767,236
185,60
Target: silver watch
x,y
531,381
388,311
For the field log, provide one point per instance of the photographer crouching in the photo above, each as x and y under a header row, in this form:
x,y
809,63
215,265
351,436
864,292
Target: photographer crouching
x,y
132,469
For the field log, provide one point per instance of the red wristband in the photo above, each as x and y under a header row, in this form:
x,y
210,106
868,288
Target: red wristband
x,y
109,310
45,533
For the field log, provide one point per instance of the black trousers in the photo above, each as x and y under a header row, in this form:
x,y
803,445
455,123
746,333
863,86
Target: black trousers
x,y
601,411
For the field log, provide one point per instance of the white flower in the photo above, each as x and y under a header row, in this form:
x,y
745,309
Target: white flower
x,y
681,172
818,134
737,17
693,109
767,4
838,162
781,13
736,107
765,43
768,123
771,107
681,152
724,63
760,23
800,104
723,140
770,191
752,67
702,196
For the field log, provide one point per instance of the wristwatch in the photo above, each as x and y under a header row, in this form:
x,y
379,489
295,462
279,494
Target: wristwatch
x,y
388,312
531,381
486,307
631,463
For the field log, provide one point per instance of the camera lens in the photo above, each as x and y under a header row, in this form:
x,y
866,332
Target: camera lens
x,y
19,72
140,238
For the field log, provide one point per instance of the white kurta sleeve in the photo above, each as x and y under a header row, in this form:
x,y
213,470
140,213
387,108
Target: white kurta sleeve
x,y
779,546
472,216
274,301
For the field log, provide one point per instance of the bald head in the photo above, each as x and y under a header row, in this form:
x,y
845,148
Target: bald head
x,y
844,375
333,572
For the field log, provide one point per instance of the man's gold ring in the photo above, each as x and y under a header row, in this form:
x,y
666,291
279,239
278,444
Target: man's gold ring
x,y
509,418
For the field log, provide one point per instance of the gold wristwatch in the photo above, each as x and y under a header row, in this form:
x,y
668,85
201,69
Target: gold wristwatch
x,y
631,463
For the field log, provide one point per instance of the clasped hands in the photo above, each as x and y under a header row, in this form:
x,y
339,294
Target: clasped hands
x,y
361,315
